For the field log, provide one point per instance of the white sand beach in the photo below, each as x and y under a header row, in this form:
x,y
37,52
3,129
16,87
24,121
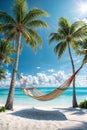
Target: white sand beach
x,y
38,118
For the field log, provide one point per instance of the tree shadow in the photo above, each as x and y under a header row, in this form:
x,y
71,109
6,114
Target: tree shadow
x,y
81,126
73,111
38,114
78,112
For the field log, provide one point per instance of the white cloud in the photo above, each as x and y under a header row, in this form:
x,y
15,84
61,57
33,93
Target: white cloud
x,y
41,79
81,81
6,82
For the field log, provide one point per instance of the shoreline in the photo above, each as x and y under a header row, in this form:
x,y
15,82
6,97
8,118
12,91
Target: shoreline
x,y
43,118
65,100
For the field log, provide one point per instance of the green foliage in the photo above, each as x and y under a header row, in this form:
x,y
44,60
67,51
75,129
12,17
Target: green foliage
x,y
24,21
64,24
77,25
19,9
83,104
2,109
82,50
67,34
2,73
6,51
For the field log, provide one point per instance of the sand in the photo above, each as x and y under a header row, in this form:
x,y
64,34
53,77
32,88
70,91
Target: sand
x,y
38,118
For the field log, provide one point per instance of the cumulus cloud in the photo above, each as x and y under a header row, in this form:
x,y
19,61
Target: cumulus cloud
x,y
81,81
42,80
6,82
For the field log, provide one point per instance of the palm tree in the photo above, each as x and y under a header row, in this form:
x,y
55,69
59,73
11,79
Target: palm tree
x,y
67,36
22,25
6,51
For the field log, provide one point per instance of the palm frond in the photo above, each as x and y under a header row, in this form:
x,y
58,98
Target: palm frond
x,y
11,34
84,44
2,73
37,24
61,32
76,25
33,14
29,40
60,48
85,59
80,33
75,44
35,36
82,47
6,27
6,18
54,37
19,8
5,51
64,24
8,60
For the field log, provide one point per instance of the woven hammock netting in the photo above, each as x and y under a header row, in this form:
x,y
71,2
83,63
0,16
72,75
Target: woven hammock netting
x,y
38,95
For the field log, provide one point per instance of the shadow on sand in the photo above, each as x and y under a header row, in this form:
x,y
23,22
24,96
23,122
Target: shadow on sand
x,y
73,111
38,114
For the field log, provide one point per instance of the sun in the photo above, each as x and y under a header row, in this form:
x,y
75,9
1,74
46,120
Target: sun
x,y
82,8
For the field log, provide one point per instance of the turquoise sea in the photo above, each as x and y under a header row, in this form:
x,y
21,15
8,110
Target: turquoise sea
x,y
63,101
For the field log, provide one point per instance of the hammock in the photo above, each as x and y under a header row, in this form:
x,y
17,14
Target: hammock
x,y
38,95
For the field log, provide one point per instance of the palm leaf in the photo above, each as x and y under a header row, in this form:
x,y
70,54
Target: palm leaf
x,y
54,37
6,18
5,51
82,47
37,24
80,33
85,59
35,36
76,25
60,48
2,73
61,32
19,9
33,14
64,25
6,27
75,44
11,34
29,40
8,60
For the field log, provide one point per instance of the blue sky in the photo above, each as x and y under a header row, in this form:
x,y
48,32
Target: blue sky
x,y
45,61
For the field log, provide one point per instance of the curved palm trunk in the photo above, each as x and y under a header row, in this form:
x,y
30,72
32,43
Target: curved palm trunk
x,y
74,102
9,102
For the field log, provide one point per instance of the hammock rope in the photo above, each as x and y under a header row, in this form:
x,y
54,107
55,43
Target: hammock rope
x,y
38,95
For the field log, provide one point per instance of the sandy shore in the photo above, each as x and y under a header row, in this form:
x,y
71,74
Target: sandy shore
x,y
25,118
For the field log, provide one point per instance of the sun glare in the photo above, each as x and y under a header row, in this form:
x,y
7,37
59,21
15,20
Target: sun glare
x,y
82,8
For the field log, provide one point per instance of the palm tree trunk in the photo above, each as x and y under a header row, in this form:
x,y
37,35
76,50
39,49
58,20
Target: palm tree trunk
x,y
74,102
9,102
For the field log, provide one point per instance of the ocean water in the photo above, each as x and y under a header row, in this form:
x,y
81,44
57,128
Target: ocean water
x,y
62,101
